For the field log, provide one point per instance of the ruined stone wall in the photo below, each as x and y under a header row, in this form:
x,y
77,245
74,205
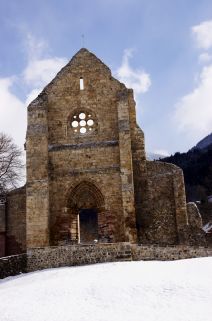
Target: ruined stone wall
x,y
16,221
13,265
168,253
140,201
166,219
100,253
2,227
194,216
97,156
164,200
194,234
59,157
75,255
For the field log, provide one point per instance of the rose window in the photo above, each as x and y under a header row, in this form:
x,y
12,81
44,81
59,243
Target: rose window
x,y
83,123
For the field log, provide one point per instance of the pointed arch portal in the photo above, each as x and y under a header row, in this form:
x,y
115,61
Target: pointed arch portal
x,y
87,214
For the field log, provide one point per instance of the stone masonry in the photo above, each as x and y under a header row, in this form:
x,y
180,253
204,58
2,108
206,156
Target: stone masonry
x,y
88,180
74,255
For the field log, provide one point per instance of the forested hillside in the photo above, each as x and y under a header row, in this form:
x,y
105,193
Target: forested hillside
x,y
197,168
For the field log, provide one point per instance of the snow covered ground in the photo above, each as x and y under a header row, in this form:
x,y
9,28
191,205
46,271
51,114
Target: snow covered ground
x,y
127,291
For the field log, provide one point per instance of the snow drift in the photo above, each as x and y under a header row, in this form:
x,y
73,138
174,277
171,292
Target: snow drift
x,y
127,291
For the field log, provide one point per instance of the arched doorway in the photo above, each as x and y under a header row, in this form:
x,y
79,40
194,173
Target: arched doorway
x,y
87,214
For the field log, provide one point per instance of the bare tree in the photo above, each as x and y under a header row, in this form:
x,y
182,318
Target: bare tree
x,y
11,164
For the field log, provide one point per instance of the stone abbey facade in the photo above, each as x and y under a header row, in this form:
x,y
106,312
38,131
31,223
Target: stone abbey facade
x,y
88,179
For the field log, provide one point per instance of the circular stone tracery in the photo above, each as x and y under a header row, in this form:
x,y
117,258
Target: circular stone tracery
x,y
83,123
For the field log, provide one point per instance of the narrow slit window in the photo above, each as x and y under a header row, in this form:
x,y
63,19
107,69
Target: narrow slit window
x,y
81,83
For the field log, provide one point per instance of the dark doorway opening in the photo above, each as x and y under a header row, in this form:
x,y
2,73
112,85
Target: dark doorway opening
x,y
88,221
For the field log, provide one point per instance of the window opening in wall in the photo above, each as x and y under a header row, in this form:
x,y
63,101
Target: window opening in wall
x,y
81,83
75,123
83,130
82,115
90,122
83,122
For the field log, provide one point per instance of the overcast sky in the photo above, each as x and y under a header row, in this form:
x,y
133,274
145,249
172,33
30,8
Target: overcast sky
x,y
160,48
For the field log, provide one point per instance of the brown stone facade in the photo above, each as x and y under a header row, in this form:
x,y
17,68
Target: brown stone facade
x,y
69,171
88,180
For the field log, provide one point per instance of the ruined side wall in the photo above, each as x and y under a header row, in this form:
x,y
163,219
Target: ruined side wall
x,y
2,227
166,213
194,234
16,222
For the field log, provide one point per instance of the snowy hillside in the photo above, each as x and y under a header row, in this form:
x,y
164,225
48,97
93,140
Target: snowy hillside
x,y
204,143
153,156
127,291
